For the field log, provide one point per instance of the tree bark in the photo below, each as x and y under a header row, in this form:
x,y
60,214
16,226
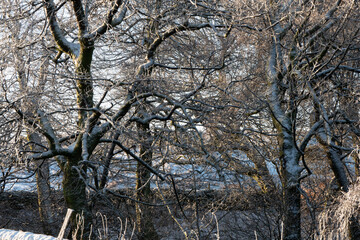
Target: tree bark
x,y
107,162
74,189
289,158
337,166
43,188
283,118
144,213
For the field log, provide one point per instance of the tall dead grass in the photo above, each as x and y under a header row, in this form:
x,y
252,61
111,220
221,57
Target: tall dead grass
x,y
336,220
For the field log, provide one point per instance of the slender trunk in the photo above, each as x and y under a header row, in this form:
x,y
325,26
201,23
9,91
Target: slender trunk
x,y
337,166
109,155
144,213
43,189
44,196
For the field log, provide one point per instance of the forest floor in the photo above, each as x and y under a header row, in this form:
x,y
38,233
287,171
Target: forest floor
x,y
19,211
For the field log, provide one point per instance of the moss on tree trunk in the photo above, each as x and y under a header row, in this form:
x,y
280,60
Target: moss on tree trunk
x,y
74,188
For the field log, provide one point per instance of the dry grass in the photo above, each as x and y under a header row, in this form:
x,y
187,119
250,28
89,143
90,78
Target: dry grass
x,y
334,221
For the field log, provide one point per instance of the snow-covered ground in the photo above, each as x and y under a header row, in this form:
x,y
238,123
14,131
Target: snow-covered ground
x,y
25,180
6,234
184,175
122,175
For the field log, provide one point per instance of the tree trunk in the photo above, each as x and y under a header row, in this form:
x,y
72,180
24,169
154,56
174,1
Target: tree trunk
x,y
74,188
44,194
43,189
144,213
291,170
74,185
337,166
107,162
292,216
289,156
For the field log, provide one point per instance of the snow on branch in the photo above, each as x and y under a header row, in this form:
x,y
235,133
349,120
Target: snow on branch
x,y
64,45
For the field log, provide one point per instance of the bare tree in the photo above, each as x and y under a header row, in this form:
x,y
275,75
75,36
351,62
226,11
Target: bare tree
x,y
31,84
141,81
294,44
80,113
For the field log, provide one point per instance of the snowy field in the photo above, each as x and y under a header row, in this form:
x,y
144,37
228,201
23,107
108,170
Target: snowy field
x,y
122,176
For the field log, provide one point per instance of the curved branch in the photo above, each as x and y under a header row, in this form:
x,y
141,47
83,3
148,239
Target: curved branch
x,y
80,17
110,21
186,26
63,44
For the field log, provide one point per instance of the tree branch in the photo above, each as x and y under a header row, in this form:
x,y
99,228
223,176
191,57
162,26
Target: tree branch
x,y
80,17
63,44
110,21
128,151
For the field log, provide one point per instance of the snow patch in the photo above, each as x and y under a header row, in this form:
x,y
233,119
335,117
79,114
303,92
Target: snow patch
x,y
6,234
